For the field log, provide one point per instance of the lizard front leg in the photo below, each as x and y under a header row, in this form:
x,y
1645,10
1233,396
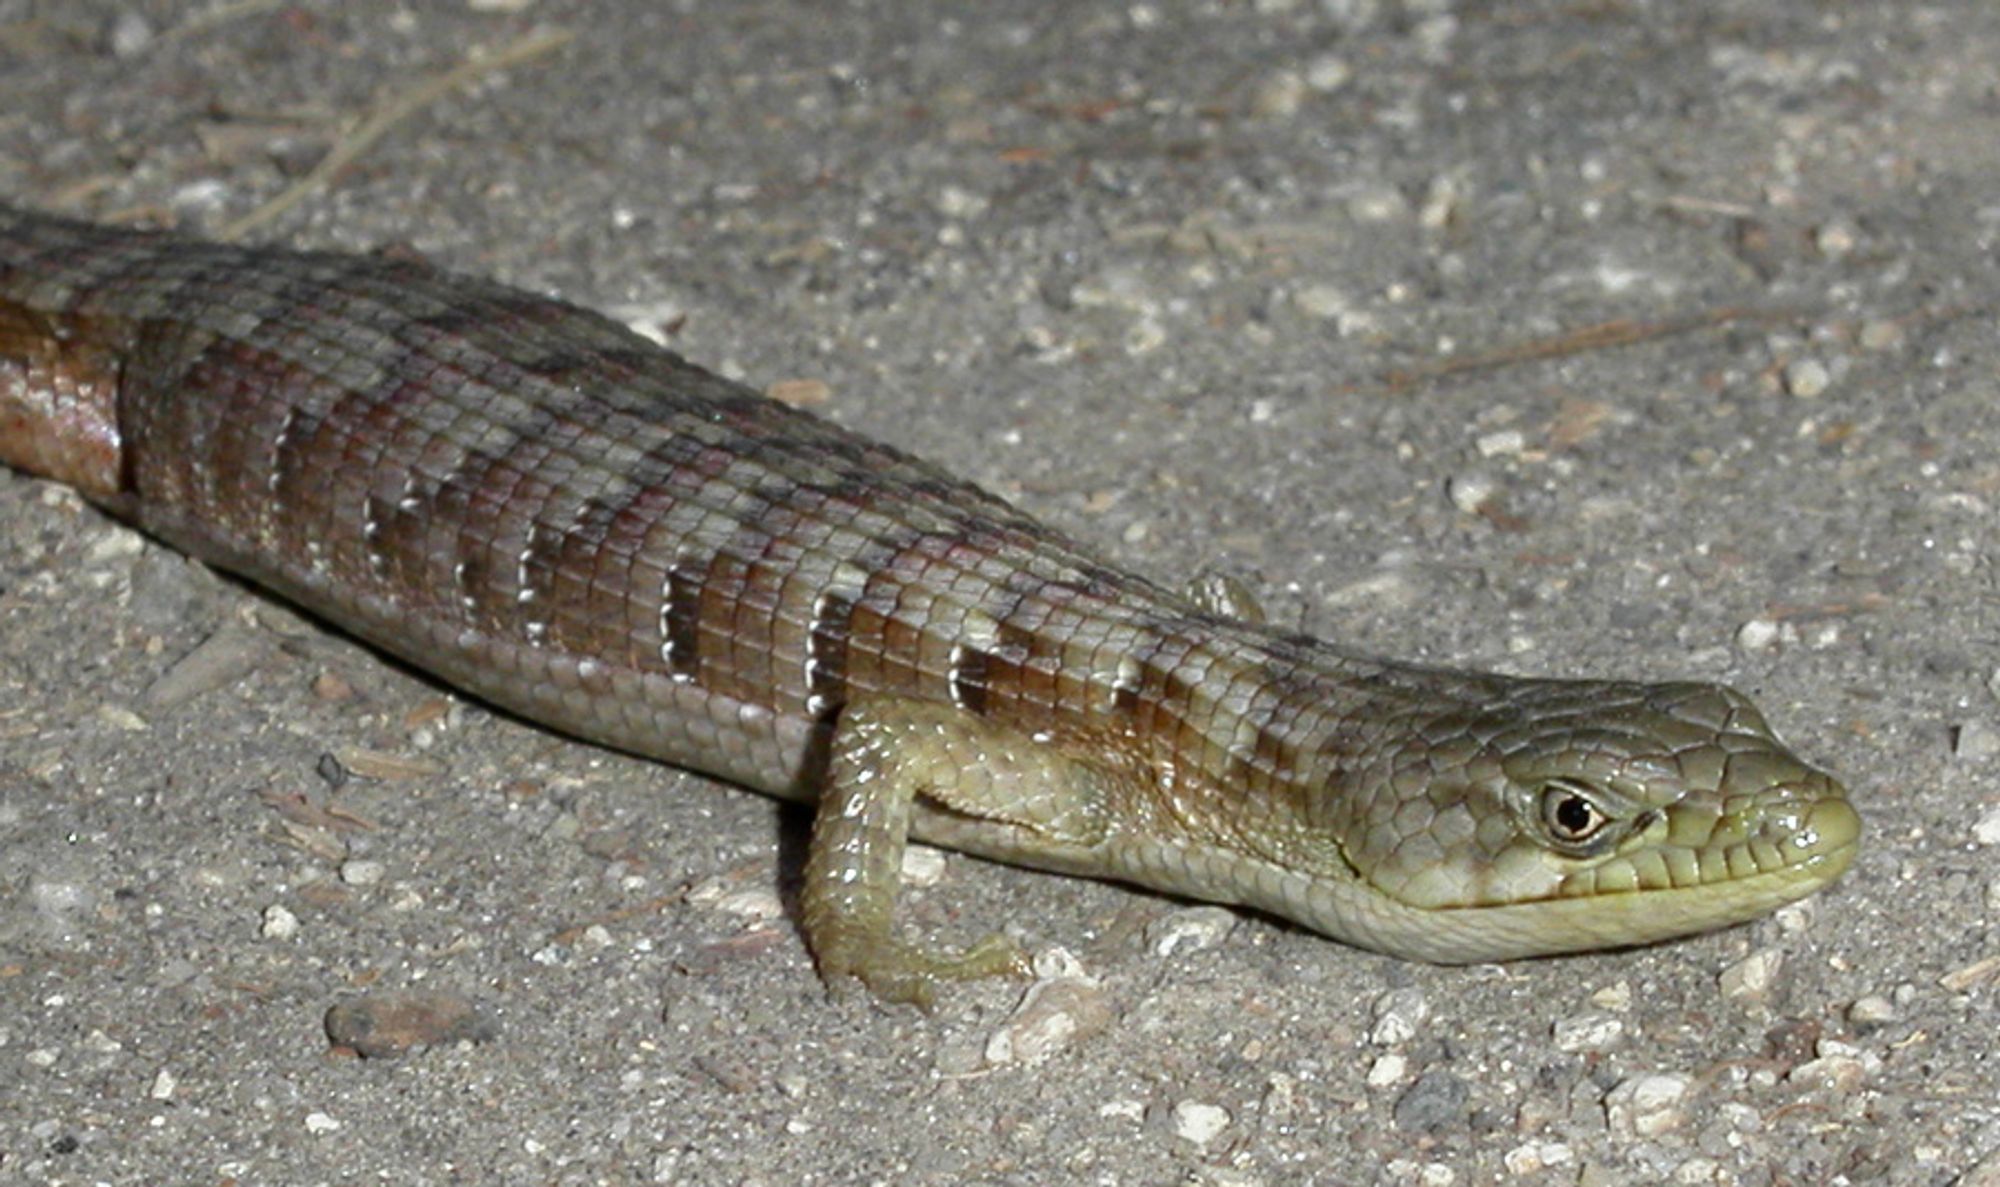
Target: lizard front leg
x,y
887,752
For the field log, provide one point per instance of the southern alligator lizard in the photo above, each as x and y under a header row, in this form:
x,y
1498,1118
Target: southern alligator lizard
x,y
566,520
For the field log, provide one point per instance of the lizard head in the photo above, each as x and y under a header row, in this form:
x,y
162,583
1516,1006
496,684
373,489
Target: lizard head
x,y
1574,815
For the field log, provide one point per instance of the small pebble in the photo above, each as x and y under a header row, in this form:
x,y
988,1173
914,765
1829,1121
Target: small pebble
x,y
220,660
1975,741
279,924
59,901
1435,1101
1199,1123
1616,996
99,1043
1063,1007
923,866
1647,1106
1795,919
1190,930
331,686
1470,491
362,872
1987,831
1280,96
163,1085
1281,1097
1382,203
1123,1109
1758,634
1323,301
1807,378
1837,1073
123,718
755,904
321,1123
959,202
1440,207
1881,335
1388,1069
1588,1032
1751,978
1399,1014
389,1024
1328,73
116,543
1535,1157
129,35
1835,239
385,767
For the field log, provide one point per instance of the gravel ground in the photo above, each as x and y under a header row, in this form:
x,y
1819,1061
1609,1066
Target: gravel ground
x,y
1609,338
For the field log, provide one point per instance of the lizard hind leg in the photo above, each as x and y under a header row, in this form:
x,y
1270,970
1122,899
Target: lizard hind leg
x,y
887,752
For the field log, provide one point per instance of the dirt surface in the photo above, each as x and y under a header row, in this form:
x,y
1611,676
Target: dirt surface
x,y
1615,339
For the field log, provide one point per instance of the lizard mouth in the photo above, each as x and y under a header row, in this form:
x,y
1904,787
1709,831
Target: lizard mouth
x,y
1810,842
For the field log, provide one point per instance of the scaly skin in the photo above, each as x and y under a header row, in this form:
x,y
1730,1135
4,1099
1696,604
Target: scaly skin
x,y
568,521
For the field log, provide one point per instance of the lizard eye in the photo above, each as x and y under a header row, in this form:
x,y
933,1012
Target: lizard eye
x,y
1570,814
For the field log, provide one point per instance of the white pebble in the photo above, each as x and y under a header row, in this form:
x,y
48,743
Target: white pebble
x,y
130,35
279,924
1751,978
1987,831
163,1085
1328,73
1191,930
99,1043
56,899
1199,1123
1807,378
754,905
1062,1008
1835,239
1388,1070
1537,1156
957,202
1975,741
362,872
1758,634
1616,996
1322,301
1280,96
1587,1032
1836,1073
321,1123
1377,204
1399,1014
1881,335
923,866
1647,1106
1470,491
